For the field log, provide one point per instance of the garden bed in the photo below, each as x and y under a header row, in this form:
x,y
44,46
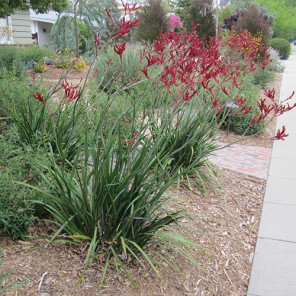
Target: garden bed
x,y
228,221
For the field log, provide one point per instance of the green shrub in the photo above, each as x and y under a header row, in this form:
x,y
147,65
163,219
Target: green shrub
x,y
114,196
13,88
83,37
10,58
112,76
17,164
35,53
195,13
262,77
282,45
190,137
154,20
240,123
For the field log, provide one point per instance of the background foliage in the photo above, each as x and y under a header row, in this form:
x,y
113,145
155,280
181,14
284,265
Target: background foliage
x,y
154,19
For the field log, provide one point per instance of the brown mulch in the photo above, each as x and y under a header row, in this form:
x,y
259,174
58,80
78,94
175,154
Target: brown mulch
x,y
228,221
52,73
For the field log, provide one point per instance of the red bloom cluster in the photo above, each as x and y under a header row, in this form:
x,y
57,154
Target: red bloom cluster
x,y
126,25
119,48
71,91
189,66
189,63
39,97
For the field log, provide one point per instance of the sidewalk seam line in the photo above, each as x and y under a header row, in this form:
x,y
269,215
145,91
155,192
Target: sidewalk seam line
x,y
277,203
275,239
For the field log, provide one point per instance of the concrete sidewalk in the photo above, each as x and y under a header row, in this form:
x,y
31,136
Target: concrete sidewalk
x,y
274,266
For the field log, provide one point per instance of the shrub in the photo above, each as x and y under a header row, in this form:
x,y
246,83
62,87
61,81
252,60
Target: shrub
x,y
64,59
255,22
35,53
190,137
154,20
17,164
13,88
282,45
276,64
80,64
200,13
262,77
62,33
40,67
111,73
10,58
114,194
240,124
84,37
48,124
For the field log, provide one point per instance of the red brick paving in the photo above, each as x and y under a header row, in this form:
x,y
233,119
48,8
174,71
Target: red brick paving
x,y
248,160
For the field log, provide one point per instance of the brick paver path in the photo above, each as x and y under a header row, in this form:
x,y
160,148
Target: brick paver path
x,y
248,160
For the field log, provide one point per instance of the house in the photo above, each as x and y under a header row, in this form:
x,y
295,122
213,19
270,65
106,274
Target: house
x,y
27,27
16,29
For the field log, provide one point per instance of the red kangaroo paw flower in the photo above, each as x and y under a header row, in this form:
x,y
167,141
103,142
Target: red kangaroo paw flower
x,y
39,97
125,26
71,91
281,135
98,42
132,142
119,48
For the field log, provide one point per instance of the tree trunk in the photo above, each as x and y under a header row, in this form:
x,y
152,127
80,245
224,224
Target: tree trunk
x,y
76,29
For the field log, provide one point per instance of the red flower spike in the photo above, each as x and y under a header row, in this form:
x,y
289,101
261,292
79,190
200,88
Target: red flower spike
x,y
289,98
39,97
71,91
98,42
145,71
151,60
247,110
226,91
128,9
270,94
281,135
240,100
254,117
108,13
218,106
119,48
132,142
188,97
51,115
125,26
110,62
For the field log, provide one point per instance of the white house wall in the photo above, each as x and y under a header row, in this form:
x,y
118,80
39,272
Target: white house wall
x,y
44,33
21,26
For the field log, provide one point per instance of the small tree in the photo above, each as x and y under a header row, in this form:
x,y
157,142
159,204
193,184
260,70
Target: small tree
x,y
200,12
253,20
63,33
40,6
154,20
